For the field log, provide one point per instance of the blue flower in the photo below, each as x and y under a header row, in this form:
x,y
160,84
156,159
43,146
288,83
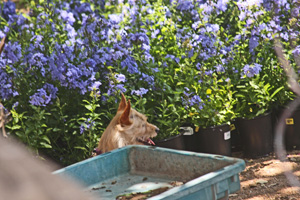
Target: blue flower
x,y
95,85
284,36
90,63
13,52
209,72
251,70
6,91
295,12
38,41
131,2
131,64
253,43
67,16
220,68
185,5
39,60
40,98
170,56
9,9
15,105
148,57
139,37
148,79
140,92
87,125
2,34
71,31
222,5
155,33
296,50
268,4
242,16
120,77
121,87
51,89
115,18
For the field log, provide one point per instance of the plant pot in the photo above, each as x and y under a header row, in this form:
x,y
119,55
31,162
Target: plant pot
x,y
191,142
236,141
190,138
175,142
215,140
256,135
292,129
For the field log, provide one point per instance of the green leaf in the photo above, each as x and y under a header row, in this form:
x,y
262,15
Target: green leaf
x,y
81,148
46,139
89,107
15,127
276,91
45,145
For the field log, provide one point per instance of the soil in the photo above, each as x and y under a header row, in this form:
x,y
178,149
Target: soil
x,y
264,179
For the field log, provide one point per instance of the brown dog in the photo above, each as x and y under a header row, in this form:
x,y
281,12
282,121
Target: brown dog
x,y
128,127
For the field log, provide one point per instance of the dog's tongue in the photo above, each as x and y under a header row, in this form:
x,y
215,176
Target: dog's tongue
x,y
149,141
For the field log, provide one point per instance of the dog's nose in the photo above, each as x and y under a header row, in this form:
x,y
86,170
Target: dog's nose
x,y
157,130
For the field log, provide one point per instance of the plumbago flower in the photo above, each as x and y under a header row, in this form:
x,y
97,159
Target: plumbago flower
x,y
140,92
251,70
87,125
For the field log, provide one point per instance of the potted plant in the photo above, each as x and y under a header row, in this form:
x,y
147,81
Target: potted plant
x,y
255,100
210,108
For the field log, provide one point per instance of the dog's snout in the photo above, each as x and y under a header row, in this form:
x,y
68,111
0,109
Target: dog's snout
x,y
156,130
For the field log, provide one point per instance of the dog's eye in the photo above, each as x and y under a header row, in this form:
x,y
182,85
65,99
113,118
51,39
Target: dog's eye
x,y
131,116
144,125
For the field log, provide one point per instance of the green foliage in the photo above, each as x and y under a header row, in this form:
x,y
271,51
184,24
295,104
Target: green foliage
x,y
255,98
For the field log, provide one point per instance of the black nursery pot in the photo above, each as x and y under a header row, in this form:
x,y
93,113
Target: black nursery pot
x,y
191,142
292,130
175,142
236,144
256,135
215,140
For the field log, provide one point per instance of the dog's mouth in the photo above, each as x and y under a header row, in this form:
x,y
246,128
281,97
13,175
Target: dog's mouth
x,y
146,141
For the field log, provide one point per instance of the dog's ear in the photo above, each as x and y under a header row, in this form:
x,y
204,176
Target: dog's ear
x,y
125,119
122,104
2,43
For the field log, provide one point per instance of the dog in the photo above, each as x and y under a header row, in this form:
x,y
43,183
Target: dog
x,y
128,127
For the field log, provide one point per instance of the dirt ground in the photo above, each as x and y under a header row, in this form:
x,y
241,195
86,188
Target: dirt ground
x,y
264,179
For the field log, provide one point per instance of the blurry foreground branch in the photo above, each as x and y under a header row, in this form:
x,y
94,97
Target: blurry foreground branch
x,y
287,113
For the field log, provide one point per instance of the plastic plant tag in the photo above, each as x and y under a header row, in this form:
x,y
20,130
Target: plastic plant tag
x,y
289,121
227,135
232,127
187,130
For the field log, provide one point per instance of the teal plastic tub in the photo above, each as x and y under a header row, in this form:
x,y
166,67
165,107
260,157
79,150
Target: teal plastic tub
x,y
140,169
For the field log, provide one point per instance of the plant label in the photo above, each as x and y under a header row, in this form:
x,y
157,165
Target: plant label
x,y
289,121
227,135
232,127
187,130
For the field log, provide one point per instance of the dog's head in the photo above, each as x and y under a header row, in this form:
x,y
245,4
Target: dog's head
x,y
134,125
